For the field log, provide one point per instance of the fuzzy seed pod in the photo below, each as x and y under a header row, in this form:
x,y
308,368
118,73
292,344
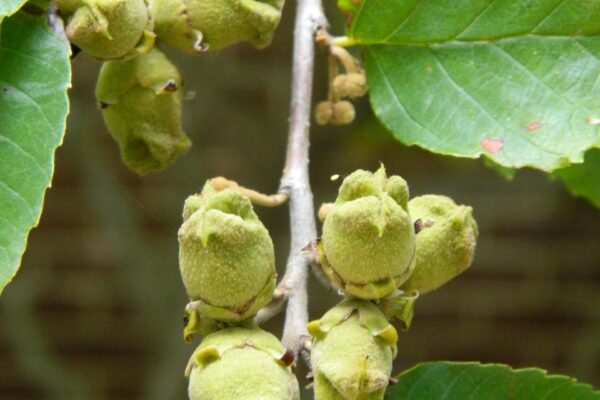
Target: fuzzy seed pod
x,y
198,25
226,255
445,243
241,364
140,101
109,29
368,243
352,352
350,85
324,112
343,113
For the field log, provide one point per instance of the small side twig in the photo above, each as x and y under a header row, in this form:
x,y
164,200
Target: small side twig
x,y
274,307
265,200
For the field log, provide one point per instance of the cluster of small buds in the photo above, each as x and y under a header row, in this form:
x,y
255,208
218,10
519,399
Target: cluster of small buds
x,y
141,115
337,113
227,265
380,250
349,85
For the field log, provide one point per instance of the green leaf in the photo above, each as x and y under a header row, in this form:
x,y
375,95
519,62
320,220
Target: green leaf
x,y
34,77
583,180
8,7
517,81
458,381
505,172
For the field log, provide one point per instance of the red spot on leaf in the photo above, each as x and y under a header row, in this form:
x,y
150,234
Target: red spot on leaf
x,y
492,145
534,126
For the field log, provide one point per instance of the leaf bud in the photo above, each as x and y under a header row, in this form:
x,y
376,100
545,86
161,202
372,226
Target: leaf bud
x,y
343,113
109,29
353,349
199,25
368,242
350,85
242,364
445,243
141,101
226,255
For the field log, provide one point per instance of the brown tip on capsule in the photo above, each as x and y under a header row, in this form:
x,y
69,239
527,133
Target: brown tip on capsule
x,y
420,224
288,357
170,86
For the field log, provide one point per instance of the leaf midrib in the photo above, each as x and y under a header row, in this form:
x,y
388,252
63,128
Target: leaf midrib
x,y
458,42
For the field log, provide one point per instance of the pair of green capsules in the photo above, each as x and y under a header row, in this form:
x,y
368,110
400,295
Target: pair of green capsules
x,y
139,90
377,247
381,250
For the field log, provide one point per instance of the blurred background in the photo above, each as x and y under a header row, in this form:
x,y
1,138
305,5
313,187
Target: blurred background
x,y
95,311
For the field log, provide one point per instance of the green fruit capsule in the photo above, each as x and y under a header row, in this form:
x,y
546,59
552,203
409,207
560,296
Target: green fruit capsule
x,y
445,243
352,353
109,29
368,242
141,101
241,364
226,255
198,25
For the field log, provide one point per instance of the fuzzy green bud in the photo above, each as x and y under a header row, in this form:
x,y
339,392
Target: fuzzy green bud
x,y
241,364
352,353
198,25
343,113
350,85
368,242
226,255
324,112
141,101
109,29
445,242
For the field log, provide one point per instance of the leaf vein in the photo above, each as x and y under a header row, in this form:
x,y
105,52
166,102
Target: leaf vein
x,y
32,100
522,67
551,13
477,104
28,154
394,95
41,60
474,20
20,197
408,17
445,395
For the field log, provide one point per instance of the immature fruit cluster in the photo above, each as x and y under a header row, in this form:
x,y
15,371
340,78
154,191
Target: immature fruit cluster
x,y
227,265
139,89
381,250
349,85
